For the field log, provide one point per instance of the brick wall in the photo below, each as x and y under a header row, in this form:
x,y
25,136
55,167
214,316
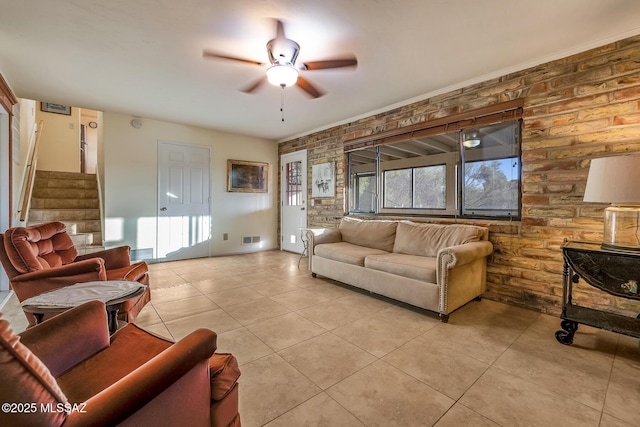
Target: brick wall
x,y
576,108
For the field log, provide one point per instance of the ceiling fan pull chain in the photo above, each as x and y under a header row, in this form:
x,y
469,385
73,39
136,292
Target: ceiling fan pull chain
x,y
282,103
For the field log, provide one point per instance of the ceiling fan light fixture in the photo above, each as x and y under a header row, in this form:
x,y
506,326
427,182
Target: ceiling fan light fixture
x,y
471,140
282,75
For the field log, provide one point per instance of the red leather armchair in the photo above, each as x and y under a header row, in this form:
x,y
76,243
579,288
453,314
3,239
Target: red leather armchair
x,y
131,378
42,257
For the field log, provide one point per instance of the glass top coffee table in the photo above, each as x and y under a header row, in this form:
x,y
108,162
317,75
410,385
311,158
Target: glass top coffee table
x,y
111,293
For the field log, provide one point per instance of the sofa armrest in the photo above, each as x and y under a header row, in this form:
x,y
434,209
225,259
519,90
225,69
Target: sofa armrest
x,y
128,395
36,282
318,236
113,258
461,274
70,337
455,256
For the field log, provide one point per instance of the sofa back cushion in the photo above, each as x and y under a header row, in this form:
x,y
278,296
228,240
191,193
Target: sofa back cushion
x,y
371,234
428,239
26,380
39,247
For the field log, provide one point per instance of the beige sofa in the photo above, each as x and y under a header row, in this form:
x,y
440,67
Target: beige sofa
x,y
432,266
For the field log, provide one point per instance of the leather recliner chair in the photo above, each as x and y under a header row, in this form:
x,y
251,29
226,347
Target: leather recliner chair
x,y
42,258
68,371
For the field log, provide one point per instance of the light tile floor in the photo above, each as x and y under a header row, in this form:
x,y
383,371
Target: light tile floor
x,y
314,353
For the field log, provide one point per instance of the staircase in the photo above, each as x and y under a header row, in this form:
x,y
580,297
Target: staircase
x,y
71,198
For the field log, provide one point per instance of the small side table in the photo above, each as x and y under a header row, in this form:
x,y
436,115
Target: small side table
x,y
611,271
306,240
112,305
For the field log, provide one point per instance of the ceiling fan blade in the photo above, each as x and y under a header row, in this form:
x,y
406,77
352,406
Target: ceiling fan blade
x,y
255,85
209,54
332,63
304,84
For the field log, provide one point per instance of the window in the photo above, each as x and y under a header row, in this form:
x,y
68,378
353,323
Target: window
x,y
491,171
293,196
365,192
472,172
363,185
420,187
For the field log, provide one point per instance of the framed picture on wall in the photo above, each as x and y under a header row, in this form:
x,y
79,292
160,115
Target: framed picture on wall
x,y
55,108
324,180
247,177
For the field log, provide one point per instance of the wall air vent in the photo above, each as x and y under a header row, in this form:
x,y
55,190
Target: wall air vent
x,y
250,240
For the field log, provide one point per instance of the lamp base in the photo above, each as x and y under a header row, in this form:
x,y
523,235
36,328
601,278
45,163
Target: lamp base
x,y
622,228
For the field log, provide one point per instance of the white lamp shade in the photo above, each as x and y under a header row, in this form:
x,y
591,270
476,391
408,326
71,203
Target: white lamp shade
x,y
282,75
614,180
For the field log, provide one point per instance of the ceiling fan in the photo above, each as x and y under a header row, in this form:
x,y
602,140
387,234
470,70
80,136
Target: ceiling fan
x,y
283,70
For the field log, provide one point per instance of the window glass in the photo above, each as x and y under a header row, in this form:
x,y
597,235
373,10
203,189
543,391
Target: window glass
x,y
363,190
430,187
418,175
491,171
398,188
293,196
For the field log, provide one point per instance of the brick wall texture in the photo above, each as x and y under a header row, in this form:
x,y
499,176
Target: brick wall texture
x,y
575,109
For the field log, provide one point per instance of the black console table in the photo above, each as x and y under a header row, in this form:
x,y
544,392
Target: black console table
x,y
612,271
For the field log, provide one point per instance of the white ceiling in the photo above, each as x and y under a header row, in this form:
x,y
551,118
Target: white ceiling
x,y
144,57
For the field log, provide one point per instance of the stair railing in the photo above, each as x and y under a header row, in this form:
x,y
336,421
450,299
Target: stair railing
x,y
31,174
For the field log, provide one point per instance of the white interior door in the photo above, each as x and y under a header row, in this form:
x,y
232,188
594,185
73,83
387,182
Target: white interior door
x,y
184,218
293,183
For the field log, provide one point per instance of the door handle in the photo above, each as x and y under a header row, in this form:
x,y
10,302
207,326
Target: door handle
x,y
301,209
163,209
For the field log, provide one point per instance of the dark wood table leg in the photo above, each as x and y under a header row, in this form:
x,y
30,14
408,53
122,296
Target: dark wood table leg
x,y
38,317
112,316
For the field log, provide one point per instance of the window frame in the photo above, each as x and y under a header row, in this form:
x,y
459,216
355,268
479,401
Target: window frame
x,y
455,161
417,162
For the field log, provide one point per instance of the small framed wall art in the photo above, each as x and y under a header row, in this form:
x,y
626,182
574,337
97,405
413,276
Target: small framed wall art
x,y
247,177
324,180
48,107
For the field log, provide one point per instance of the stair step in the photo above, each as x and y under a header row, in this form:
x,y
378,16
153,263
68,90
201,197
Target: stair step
x,y
63,193
65,175
64,215
81,240
89,249
82,226
48,203
71,198
88,184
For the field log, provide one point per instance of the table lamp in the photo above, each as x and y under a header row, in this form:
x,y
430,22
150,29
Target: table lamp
x,y
616,180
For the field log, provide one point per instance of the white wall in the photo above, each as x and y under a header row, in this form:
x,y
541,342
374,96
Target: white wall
x,y
60,141
20,160
131,175
4,185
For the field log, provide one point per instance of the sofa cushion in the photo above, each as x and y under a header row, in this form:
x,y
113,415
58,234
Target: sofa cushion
x,y
25,381
346,252
105,368
372,234
411,266
428,239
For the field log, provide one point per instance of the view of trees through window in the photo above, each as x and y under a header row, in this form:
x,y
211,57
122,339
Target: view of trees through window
x,y
489,185
422,187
